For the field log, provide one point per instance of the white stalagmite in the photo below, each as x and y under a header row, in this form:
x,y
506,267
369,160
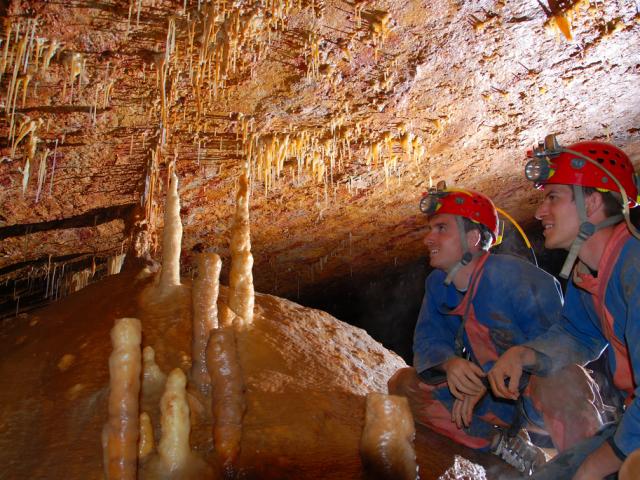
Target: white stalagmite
x,y
146,443
153,379
241,293
386,446
204,294
171,240
120,433
173,447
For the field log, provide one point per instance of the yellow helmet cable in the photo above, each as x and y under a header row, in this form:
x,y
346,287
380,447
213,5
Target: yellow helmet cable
x,y
521,231
498,240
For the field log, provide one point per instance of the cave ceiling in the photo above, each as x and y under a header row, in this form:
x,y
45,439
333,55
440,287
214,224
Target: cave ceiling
x,y
343,111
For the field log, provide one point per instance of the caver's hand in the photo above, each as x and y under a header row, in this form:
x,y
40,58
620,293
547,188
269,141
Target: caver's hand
x,y
509,366
462,411
463,377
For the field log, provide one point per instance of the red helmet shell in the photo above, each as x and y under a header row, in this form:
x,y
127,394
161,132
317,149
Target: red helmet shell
x,y
472,205
568,169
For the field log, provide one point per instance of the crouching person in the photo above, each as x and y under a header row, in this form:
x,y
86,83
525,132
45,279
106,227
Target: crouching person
x,y
588,189
476,306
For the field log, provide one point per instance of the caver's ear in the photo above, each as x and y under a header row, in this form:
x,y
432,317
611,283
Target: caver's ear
x,y
473,238
594,204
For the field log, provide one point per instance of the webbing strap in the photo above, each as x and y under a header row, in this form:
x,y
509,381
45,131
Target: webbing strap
x,y
467,256
587,229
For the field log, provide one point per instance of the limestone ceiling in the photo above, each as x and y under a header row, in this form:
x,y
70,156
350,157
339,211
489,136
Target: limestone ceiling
x,y
344,111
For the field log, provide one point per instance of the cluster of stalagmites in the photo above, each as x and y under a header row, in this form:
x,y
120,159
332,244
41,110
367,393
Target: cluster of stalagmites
x,y
128,439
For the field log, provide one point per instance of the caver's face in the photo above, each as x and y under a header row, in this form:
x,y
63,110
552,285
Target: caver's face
x,y
443,241
558,214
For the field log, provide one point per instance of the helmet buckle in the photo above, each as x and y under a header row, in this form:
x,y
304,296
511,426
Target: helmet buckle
x,y
586,230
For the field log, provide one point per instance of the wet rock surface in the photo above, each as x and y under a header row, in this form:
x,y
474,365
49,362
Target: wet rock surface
x,y
306,376
344,110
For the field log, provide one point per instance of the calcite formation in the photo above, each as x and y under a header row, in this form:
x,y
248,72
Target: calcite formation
x,y
206,287
343,111
306,375
386,447
120,434
329,119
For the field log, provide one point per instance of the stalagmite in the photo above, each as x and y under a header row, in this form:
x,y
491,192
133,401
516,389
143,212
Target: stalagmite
x,y
120,433
175,460
205,315
241,293
146,443
174,447
153,379
171,241
386,446
228,403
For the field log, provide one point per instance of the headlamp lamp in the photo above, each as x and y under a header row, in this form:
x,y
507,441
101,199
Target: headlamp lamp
x,y
429,202
537,170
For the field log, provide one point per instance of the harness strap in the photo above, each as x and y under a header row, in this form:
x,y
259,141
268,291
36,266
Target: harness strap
x,y
587,229
467,256
466,303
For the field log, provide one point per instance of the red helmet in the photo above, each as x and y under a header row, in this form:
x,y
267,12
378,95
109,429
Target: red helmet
x,y
466,203
554,164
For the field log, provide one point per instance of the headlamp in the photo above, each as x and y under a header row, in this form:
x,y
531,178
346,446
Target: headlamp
x,y
429,203
549,148
537,170
430,200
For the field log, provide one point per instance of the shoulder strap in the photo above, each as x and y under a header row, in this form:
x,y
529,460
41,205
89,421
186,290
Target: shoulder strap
x,y
467,302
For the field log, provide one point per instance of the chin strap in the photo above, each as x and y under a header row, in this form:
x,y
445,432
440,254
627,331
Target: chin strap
x,y
587,229
467,256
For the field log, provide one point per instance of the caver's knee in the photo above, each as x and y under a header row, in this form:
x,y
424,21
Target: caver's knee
x,y
565,389
403,380
631,467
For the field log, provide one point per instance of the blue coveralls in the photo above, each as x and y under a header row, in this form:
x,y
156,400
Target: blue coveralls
x,y
512,302
601,312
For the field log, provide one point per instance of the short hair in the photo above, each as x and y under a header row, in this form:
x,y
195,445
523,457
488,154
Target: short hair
x,y
612,200
486,237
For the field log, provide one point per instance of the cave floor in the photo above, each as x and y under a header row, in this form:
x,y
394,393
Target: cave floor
x,y
436,453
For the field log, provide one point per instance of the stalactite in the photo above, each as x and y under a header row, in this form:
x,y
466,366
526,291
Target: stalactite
x,y
7,42
42,172
114,263
80,279
75,64
51,51
53,166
